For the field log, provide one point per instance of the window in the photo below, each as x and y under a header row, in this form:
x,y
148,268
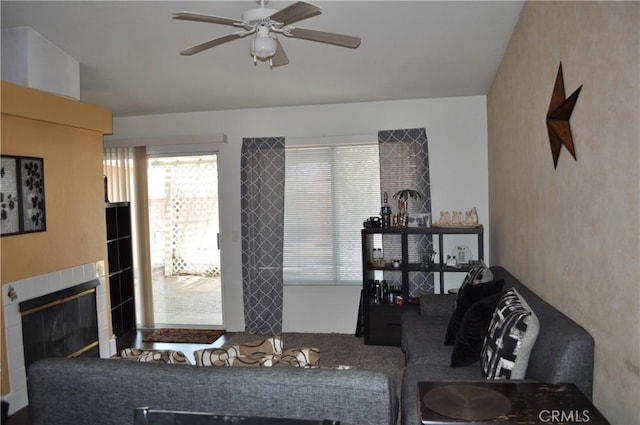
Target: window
x,y
329,192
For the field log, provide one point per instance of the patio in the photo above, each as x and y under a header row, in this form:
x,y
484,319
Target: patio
x,y
187,301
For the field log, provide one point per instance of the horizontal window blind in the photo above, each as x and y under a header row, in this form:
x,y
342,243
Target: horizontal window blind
x,y
329,192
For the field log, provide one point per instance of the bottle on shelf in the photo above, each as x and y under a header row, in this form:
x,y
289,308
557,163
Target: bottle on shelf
x,y
394,292
372,290
385,291
377,259
385,212
428,258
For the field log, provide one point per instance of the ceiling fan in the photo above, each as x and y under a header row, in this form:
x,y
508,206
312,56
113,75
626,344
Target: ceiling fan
x,y
265,24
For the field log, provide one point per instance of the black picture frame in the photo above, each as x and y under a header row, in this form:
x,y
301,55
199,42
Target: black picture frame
x,y
9,203
22,195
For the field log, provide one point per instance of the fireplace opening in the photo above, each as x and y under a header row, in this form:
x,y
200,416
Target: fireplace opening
x,y
61,324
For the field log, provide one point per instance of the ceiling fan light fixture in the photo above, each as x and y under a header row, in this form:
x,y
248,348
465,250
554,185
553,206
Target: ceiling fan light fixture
x,y
263,24
263,45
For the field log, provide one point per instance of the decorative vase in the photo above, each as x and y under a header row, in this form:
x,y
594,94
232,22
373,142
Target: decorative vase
x,y
402,218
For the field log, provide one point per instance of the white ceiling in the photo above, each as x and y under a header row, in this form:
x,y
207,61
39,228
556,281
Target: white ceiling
x,y
130,63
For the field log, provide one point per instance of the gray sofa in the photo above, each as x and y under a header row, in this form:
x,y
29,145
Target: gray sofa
x,y
107,391
563,351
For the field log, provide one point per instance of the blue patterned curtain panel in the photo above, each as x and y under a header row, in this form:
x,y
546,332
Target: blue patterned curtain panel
x,y
404,164
262,214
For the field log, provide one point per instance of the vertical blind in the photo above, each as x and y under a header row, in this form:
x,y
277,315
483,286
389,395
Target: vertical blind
x,y
329,192
118,169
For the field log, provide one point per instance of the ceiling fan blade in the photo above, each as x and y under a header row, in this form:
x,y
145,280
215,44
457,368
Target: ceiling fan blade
x,y
199,17
295,12
324,37
280,58
212,43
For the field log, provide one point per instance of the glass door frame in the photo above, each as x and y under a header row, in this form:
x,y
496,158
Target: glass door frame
x,y
146,290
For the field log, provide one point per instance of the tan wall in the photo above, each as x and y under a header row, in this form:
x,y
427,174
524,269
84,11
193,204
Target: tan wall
x,y
573,234
74,195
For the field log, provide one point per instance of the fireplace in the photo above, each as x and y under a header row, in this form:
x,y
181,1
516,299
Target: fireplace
x,y
42,311
61,324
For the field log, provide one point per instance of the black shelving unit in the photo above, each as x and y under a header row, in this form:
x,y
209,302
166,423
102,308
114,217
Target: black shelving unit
x,y
120,258
381,321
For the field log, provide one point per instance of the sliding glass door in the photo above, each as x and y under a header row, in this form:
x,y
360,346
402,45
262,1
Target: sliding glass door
x,y
183,232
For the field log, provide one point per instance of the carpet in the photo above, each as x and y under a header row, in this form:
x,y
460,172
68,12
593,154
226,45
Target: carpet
x,y
190,336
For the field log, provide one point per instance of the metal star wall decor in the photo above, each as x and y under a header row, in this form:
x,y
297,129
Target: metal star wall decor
x,y
560,110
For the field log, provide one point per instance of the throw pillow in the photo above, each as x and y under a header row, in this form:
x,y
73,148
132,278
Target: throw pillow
x,y
512,333
218,356
474,327
293,357
478,273
485,275
155,356
251,360
473,272
303,356
468,295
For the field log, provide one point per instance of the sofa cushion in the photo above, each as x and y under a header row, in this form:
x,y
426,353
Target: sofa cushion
x,y
218,356
512,333
423,346
474,327
154,356
467,295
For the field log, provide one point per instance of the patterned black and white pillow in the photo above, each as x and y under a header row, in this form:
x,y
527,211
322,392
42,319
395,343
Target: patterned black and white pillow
x,y
479,273
473,274
512,333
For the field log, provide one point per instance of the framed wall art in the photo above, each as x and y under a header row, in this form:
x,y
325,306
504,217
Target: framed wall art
x,y
22,195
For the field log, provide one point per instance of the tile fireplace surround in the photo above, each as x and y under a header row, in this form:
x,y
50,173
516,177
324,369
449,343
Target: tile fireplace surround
x,y
37,286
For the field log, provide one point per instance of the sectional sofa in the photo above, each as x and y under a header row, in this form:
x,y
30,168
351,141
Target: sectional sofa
x,y
563,351
107,391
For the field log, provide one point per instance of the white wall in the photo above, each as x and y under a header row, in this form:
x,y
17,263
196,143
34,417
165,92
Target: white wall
x,y
29,59
457,133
